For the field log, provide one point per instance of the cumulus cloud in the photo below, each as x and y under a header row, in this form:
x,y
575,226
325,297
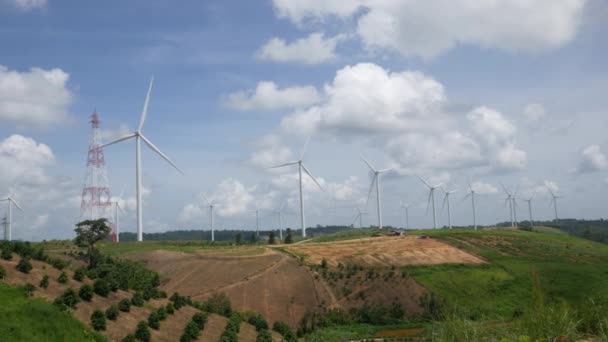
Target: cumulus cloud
x,y
314,49
267,96
428,28
270,152
28,5
484,188
109,134
36,97
593,159
26,160
534,112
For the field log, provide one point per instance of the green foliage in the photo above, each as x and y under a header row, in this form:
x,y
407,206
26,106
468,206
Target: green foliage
x,y
162,313
264,336
98,320
124,305
25,319
79,274
67,300
170,308
258,322
112,313
101,287
271,238
324,264
44,283
185,338
89,232
24,265
232,329
137,299
238,239
63,278
200,318
153,320
285,330
218,303
2,273
142,332
288,236
129,338
6,254
28,289
86,292
58,264
192,330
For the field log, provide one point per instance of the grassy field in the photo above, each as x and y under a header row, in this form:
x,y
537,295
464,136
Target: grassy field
x,y
570,269
24,319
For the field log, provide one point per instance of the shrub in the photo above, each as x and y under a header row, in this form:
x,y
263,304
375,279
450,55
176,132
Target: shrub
x,y
218,303
142,332
44,283
98,320
101,287
264,336
185,338
192,330
2,273
258,322
178,301
58,263
129,338
170,309
85,292
200,319
63,278
284,329
162,313
229,336
154,321
68,299
79,274
28,289
112,313
24,265
124,305
137,299
7,254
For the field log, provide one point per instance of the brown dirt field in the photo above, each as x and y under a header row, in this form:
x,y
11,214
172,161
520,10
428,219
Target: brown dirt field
x,y
213,329
173,327
384,252
248,333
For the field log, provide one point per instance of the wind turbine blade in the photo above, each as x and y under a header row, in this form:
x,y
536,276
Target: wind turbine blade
x,y
155,149
425,182
371,188
311,176
305,147
17,205
505,189
428,203
118,140
467,196
122,192
282,165
144,112
445,199
368,164
356,218
206,199
386,170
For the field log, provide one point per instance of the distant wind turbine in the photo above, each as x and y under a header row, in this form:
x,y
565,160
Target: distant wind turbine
x,y
431,199
446,199
472,194
279,213
406,208
117,209
511,198
8,233
359,217
212,206
300,163
138,135
376,180
529,200
554,198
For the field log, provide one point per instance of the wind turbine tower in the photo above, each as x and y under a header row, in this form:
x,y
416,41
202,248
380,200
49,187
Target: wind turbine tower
x,y
8,233
359,217
554,198
472,194
212,206
446,199
376,181
95,198
431,199
529,200
406,212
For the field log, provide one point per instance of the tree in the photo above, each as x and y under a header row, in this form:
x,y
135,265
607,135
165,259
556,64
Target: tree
x,y
24,265
89,232
264,336
271,239
7,254
162,313
85,292
219,303
79,274
98,320
238,238
124,305
170,309
129,338
288,236
137,299
44,283
63,278
29,289
2,273
200,319
68,299
153,320
192,330
101,287
142,332
112,313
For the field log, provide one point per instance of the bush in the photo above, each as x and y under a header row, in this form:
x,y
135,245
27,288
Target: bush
x,y
258,322
185,338
112,313
142,332
137,299
58,263
79,274
162,313
86,292
28,289
178,301
154,321
2,273
284,329
264,336
192,330
200,319
218,303
229,336
170,309
68,299
129,338
7,254
63,278
44,283
101,287
24,265
124,305
98,320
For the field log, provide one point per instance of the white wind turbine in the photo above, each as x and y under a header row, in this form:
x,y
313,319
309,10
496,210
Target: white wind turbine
x,y
212,206
446,199
554,198
529,200
138,135
300,163
359,217
511,198
376,180
472,194
279,213
406,211
431,199
8,233
5,225
117,210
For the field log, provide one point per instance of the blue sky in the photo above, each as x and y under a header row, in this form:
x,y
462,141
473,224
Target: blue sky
x,y
506,92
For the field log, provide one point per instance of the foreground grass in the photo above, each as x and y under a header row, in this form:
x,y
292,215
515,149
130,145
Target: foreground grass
x,y
24,319
364,331
224,248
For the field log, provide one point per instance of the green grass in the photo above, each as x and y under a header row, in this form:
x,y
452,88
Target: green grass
x,y
570,269
24,319
116,249
353,332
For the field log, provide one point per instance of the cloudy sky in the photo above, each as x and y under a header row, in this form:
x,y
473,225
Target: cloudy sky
x,y
486,92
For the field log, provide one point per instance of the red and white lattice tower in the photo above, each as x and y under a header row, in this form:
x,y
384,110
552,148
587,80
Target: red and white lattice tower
x,y
95,201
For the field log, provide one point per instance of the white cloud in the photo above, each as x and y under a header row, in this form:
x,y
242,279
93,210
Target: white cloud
x,y
267,96
428,28
25,160
552,186
593,159
314,49
37,97
27,5
115,133
270,152
534,112
484,188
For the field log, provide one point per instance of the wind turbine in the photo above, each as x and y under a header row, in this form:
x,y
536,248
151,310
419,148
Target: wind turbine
x,y
512,205
138,135
431,199
529,200
472,193
300,163
8,233
554,198
279,213
406,211
211,205
446,199
359,217
376,180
